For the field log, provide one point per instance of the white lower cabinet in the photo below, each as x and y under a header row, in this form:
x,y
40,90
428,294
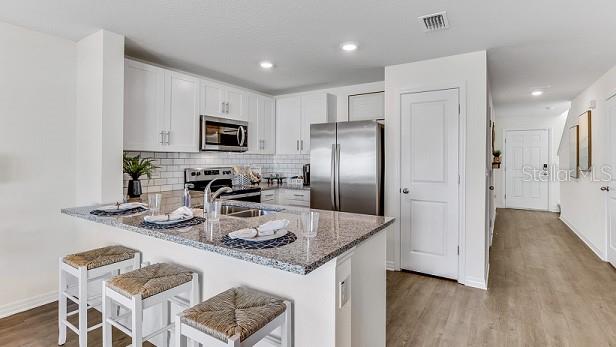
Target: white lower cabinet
x,y
269,196
294,197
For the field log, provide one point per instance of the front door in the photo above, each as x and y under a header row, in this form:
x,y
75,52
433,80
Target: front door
x,y
429,180
526,169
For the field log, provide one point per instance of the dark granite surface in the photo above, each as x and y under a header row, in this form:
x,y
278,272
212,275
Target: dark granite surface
x,y
338,232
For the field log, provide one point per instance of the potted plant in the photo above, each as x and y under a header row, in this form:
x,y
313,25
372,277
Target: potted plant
x,y
136,167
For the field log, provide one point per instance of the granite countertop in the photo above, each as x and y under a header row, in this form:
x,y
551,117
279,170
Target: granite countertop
x,y
338,232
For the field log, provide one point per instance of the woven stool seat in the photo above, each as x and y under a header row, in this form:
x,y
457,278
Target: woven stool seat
x,y
99,257
150,280
235,311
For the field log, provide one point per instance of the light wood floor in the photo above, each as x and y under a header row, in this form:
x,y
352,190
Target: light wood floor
x,y
546,288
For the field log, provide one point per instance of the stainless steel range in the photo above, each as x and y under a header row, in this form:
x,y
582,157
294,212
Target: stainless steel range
x,y
198,179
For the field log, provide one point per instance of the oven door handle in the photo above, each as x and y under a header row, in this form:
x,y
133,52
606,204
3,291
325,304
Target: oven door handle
x,y
243,131
237,196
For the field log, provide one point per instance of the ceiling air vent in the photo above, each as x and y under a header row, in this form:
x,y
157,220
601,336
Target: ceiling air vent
x,y
434,22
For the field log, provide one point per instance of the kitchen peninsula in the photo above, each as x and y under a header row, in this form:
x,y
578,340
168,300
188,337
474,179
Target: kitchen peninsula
x,y
335,280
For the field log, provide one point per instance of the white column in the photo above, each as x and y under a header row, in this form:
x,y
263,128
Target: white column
x,y
99,114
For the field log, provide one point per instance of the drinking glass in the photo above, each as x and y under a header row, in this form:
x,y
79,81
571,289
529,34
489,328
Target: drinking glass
x,y
310,223
154,203
213,211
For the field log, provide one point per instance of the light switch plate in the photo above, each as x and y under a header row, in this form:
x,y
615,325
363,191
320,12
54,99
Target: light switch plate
x,y
343,292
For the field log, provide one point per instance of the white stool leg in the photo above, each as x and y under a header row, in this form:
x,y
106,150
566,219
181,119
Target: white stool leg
x,y
137,321
137,261
107,308
195,298
180,340
83,306
62,302
165,320
286,330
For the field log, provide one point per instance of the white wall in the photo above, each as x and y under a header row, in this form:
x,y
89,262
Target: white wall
x,y
582,201
100,117
342,95
555,125
468,71
37,161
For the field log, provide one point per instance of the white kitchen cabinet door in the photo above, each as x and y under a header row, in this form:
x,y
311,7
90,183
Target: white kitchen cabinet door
x,y
212,99
288,125
143,107
251,115
267,125
235,102
314,111
182,109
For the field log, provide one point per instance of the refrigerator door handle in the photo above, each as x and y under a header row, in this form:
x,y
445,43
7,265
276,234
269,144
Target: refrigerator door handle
x,y
337,177
332,185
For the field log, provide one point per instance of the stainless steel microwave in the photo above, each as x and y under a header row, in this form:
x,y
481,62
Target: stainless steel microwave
x,y
222,134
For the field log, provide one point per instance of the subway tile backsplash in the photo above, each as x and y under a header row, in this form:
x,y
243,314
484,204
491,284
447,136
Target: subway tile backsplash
x,y
170,174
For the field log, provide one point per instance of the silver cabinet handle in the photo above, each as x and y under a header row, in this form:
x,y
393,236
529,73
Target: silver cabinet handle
x,y
405,190
222,107
227,108
168,137
302,144
162,137
297,145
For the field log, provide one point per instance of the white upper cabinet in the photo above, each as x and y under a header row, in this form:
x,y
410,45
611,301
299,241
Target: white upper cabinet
x,y
267,125
182,108
259,111
288,125
144,90
295,114
161,109
212,99
222,101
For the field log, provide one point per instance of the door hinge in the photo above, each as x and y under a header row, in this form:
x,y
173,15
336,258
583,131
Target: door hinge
x,y
458,250
459,179
459,110
505,196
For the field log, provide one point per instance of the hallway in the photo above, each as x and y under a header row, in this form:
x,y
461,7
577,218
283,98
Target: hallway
x,y
546,288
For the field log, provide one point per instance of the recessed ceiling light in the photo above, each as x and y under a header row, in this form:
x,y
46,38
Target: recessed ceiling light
x,y
349,46
266,64
536,92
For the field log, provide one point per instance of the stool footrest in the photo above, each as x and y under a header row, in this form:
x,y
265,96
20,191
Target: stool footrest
x,y
71,326
120,326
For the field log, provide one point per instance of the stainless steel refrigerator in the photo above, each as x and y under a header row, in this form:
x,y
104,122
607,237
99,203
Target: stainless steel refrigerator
x,y
347,163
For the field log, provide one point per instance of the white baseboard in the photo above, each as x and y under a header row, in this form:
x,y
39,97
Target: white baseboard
x,y
390,265
476,283
589,244
26,304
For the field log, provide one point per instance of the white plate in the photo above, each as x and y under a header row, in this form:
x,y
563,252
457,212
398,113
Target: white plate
x,y
122,207
169,222
278,233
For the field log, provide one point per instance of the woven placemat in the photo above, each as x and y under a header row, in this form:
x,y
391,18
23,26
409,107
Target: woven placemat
x,y
189,223
243,244
111,213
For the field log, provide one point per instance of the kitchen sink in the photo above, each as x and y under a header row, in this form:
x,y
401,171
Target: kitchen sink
x,y
243,212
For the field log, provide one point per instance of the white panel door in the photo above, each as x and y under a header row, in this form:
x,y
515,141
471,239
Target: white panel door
x,y
429,180
611,199
183,113
314,111
267,125
212,99
143,107
288,125
526,169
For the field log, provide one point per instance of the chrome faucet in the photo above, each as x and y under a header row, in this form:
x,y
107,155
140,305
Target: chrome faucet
x,y
209,196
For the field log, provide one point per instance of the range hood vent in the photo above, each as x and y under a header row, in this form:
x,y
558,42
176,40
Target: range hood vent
x,y
434,22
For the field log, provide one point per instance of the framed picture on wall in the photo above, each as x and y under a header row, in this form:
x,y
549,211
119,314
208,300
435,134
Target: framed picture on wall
x,y
573,151
584,141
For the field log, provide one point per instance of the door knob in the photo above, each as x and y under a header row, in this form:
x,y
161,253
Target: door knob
x,y
605,188
405,190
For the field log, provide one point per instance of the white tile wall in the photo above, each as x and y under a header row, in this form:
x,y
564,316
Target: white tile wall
x,y
170,174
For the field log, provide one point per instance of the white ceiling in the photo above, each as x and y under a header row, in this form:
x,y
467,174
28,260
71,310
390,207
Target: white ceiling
x,y
565,44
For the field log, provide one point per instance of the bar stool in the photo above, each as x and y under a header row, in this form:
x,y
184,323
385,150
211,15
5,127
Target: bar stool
x,y
143,288
236,317
87,267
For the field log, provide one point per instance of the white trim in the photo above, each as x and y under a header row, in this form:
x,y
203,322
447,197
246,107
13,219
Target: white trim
x,y
390,265
461,86
28,303
476,283
586,241
504,164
